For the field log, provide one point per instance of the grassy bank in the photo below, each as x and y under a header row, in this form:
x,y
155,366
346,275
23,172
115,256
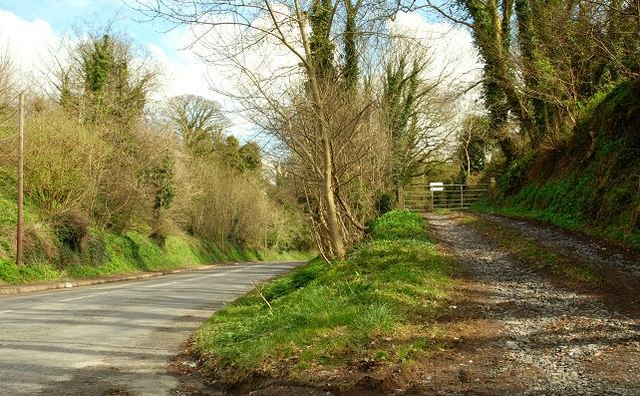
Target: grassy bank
x,y
530,251
104,253
591,182
368,312
519,207
131,253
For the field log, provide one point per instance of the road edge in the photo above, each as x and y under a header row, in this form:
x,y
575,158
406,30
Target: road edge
x,y
32,288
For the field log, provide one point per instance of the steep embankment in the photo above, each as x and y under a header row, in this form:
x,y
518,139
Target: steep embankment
x,y
69,249
591,182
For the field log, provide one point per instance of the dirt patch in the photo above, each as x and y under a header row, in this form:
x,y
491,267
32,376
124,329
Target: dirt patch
x,y
474,348
196,380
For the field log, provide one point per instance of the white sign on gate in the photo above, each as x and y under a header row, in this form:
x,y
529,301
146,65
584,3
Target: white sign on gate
x,y
436,186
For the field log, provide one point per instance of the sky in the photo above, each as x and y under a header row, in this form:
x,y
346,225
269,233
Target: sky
x,y
31,32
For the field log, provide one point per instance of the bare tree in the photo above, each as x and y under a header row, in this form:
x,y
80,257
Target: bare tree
x,y
6,81
199,122
305,101
473,137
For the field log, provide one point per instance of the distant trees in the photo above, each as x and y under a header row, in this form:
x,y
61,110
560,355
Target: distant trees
x,y
415,112
199,122
6,80
473,138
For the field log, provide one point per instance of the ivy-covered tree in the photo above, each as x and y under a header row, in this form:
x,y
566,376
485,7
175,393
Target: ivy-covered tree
x,y
491,27
251,157
105,82
321,14
161,180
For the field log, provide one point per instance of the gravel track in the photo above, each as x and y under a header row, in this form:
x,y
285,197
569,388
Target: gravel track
x,y
575,344
586,249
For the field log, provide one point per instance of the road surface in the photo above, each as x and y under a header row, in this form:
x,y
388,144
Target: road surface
x,y
115,338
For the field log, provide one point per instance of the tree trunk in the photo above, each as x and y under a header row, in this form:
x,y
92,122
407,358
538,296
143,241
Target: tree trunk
x,y
328,193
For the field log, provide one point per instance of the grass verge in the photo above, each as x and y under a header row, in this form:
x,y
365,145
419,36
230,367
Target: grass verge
x,y
614,287
370,312
104,253
613,234
109,254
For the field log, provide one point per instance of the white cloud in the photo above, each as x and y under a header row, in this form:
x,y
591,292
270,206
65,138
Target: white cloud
x,y
184,75
451,49
29,44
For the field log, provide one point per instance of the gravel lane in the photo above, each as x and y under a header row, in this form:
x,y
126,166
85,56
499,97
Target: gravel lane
x,y
576,344
594,253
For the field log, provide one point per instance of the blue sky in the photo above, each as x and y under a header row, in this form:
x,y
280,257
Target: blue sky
x,y
64,15
31,32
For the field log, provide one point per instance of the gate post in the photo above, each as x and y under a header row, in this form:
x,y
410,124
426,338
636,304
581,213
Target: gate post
x,y
461,197
492,189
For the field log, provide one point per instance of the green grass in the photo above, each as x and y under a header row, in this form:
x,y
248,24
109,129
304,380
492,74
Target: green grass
x,y
530,251
401,224
12,274
569,221
372,306
108,254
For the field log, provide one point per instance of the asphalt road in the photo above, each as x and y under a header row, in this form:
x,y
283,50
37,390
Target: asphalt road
x,y
112,338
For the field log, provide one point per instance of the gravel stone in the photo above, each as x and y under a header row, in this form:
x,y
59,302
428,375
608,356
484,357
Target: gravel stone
x,y
553,329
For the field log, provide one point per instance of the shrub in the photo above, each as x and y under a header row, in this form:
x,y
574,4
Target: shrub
x,y
65,162
515,174
71,227
384,203
38,246
399,224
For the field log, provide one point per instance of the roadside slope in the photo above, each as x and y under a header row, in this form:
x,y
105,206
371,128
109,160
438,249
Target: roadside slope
x,y
590,181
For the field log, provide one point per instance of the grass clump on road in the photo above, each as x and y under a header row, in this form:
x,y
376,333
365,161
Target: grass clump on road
x,y
370,309
533,253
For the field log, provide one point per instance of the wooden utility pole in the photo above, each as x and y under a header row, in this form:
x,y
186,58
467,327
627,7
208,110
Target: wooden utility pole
x,y
20,232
